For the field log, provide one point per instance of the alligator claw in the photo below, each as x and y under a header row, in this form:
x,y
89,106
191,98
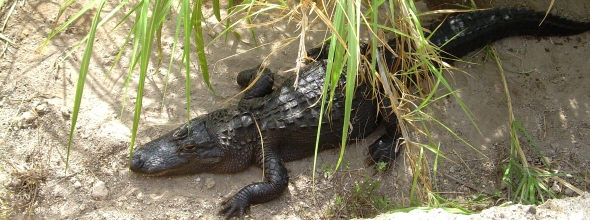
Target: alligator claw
x,y
235,206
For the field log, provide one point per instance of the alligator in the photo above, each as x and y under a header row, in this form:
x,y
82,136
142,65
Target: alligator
x,y
270,127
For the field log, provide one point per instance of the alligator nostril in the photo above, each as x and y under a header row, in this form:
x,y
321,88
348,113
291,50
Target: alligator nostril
x,y
136,162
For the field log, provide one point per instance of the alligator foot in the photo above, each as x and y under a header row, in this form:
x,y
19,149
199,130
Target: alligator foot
x,y
236,205
385,150
262,87
388,146
276,181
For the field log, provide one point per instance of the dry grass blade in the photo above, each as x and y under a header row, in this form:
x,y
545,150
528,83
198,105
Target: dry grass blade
x,y
8,15
4,38
548,10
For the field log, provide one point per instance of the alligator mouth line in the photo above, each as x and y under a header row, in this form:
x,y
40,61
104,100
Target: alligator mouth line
x,y
163,173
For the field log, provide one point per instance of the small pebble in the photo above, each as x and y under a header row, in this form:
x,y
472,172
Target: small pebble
x,y
99,191
532,210
77,184
556,188
42,108
569,192
28,116
209,183
65,111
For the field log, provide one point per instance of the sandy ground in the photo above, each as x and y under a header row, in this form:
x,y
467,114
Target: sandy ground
x,y
547,78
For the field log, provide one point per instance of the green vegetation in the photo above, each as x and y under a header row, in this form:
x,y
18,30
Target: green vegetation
x,y
362,201
527,184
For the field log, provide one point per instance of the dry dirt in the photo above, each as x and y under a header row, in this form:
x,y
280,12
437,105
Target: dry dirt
x,y
547,78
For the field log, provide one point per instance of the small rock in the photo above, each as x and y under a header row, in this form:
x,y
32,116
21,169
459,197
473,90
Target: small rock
x,y
23,34
163,71
99,191
77,184
569,192
28,116
273,212
556,188
532,210
301,195
41,108
209,183
65,111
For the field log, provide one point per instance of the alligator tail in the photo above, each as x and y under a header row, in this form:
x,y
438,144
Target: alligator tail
x,y
461,34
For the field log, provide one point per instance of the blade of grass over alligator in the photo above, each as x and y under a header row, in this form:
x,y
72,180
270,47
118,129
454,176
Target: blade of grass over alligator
x,y
229,140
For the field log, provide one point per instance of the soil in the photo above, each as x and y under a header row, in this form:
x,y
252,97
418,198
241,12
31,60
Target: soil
x,y
547,79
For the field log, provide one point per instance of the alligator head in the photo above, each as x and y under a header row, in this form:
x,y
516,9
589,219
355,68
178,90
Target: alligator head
x,y
189,149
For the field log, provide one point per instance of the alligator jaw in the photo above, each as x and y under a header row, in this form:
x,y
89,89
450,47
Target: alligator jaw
x,y
180,152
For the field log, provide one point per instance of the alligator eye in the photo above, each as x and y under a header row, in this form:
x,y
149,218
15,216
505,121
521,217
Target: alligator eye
x,y
188,147
180,133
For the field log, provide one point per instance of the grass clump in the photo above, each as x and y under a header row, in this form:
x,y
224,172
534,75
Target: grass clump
x,y
362,200
527,184
23,188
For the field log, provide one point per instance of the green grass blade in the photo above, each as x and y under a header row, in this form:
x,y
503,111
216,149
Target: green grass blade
x,y
75,17
374,14
120,53
353,12
102,22
172,55
163,8
413,200
82,77
62,9
137,29
333,70
124,45
216,10
246,7
127,14
230,6
186,13
148,31
197,18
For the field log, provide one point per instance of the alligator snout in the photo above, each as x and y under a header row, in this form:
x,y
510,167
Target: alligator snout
x,y
145,164
136,163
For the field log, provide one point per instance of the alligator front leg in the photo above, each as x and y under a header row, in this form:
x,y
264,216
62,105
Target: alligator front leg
x,y
388,146
262,87
276,181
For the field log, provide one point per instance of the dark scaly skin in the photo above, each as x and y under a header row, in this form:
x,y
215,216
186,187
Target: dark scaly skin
x,y
287,119
475,30
228,140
